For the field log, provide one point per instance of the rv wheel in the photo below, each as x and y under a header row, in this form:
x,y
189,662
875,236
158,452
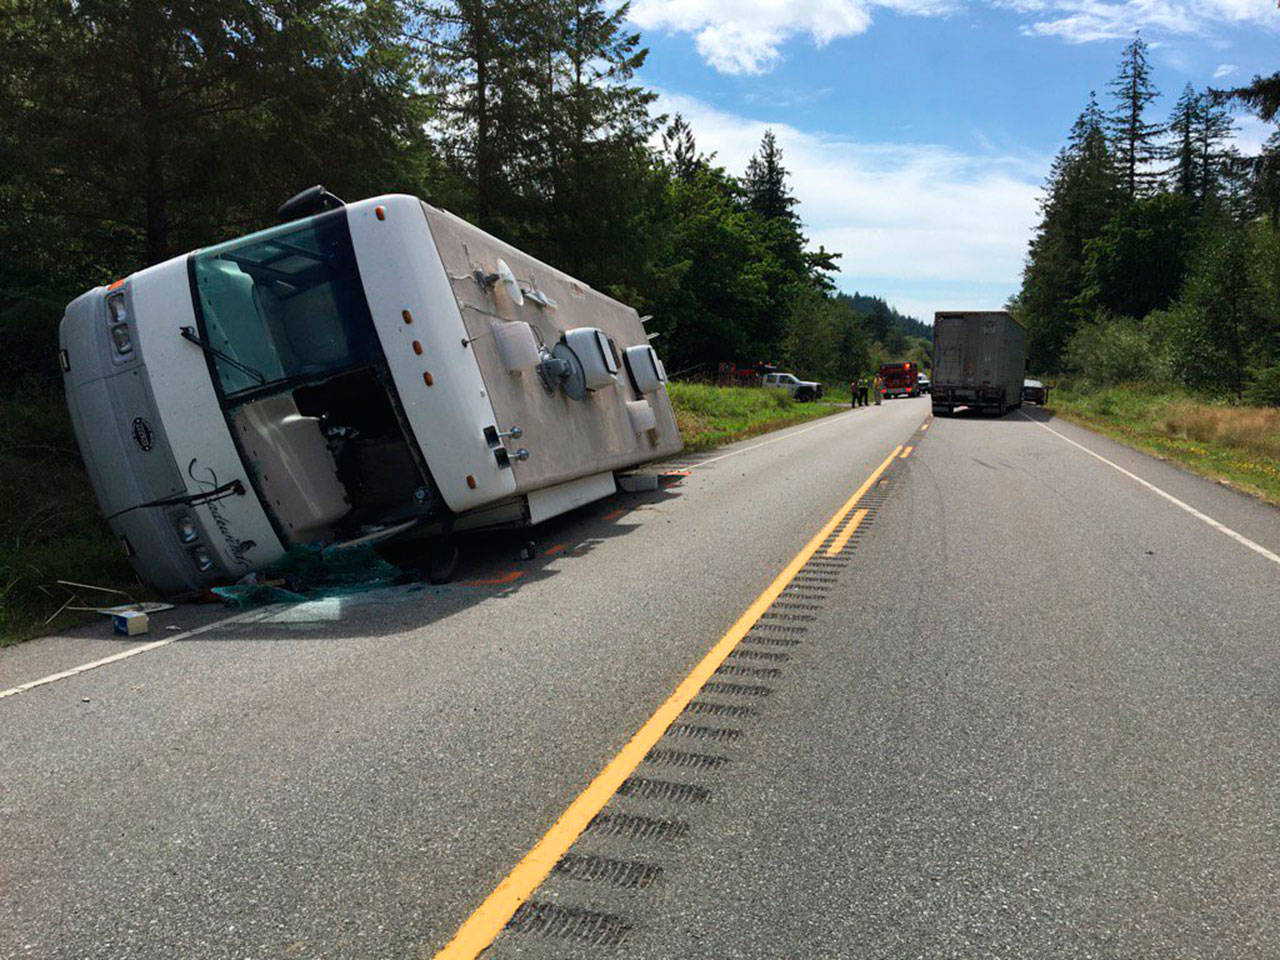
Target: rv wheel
x,y
443,565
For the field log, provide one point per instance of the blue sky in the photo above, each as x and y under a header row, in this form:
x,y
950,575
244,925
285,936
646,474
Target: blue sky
x,y
919,132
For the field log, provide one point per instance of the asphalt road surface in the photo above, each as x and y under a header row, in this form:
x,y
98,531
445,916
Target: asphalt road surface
x,y
855,689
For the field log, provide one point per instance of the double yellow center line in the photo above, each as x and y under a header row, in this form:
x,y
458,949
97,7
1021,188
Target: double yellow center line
x,y
484,925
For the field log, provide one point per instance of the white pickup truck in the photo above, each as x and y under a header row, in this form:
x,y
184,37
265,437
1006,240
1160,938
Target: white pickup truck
x,y
799,389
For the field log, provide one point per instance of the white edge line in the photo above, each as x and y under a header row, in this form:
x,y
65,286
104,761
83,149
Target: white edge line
x,y
1220,527
826,421
122,655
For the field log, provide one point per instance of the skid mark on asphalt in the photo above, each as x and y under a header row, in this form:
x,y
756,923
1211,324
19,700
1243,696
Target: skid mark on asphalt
x,y
596,893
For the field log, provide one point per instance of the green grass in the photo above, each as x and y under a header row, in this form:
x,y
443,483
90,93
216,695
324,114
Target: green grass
x,y
709,416
50,525
1234,444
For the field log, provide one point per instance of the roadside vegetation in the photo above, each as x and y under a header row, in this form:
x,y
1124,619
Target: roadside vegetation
x,y
50,526
1151,292
1231,443
709,416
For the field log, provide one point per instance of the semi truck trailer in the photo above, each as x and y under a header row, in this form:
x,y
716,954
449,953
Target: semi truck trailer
x,y
979,358
364,372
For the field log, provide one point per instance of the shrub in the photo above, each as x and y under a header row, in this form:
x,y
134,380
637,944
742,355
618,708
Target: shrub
x,y
1119,350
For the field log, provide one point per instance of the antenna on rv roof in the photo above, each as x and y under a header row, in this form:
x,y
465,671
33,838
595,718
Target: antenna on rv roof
x,y
310,201
509,283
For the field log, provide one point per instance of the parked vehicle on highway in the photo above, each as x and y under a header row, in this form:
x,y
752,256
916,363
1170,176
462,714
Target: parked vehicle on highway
x,y
364,372
923,382
799,389
900,379
979,359
1033,391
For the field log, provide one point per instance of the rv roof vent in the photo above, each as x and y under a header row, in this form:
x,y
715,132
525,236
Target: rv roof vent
x,y
517,346
646,370
591,348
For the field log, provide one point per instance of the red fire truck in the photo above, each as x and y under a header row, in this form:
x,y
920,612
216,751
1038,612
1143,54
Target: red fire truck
x,y
901,379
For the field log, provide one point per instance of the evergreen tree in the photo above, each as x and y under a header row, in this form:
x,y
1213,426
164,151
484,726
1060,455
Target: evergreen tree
x,y
1082,191
590,163
766,183
1182,151
479,53
134,130
1134,140
680,148
1214,131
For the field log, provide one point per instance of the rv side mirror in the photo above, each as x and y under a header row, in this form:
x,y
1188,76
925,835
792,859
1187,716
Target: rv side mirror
x,y
310,201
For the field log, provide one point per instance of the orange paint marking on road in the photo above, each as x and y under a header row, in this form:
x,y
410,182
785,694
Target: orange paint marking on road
x,y
552,551
614,515
505,578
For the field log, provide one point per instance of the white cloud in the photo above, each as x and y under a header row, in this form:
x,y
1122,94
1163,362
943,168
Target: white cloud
x,y
930,226
1083,21
1251,133
1224,70
744,36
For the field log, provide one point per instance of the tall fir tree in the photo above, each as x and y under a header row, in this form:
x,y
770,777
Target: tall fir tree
x,y
1134,140
766,182
1182,152
477,57
1082,191
680,147
1214,132
590,168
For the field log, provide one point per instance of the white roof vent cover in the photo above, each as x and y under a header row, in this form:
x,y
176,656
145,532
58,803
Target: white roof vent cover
x,y
591,348
647,372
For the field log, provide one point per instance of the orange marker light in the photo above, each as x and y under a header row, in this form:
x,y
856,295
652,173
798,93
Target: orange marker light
x,y
428,379
408,317
471,481
380,212
417,348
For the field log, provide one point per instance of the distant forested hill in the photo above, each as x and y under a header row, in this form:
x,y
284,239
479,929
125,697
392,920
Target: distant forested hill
x,y
882,318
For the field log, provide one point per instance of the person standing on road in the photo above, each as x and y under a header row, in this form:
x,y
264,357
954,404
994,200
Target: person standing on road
x,y
862,392
853,392
878,387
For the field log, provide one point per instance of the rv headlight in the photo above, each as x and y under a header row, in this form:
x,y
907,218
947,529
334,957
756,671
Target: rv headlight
x,y
188,532
203,559
122,338
116,309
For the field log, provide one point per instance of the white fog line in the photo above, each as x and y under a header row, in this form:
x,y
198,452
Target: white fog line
x,y
122,655
1220,527
826,421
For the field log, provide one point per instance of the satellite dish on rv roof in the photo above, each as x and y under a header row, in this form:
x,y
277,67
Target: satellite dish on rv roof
x,y
509,282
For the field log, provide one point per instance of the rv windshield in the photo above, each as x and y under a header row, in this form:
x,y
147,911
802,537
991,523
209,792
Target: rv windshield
x,y
285,304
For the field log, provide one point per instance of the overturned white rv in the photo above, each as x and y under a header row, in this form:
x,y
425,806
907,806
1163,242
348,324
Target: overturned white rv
x,y
381,369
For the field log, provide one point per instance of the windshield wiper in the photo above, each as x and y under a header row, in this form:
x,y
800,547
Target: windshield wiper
x,y
189,333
